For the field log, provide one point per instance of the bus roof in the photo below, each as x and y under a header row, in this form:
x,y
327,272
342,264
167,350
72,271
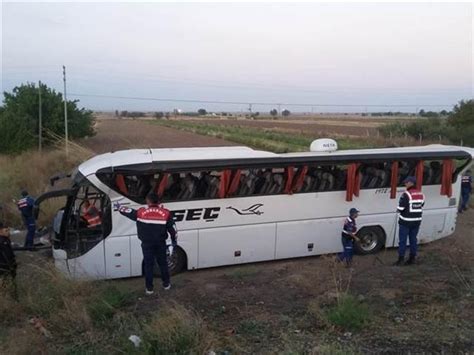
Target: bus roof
x,y
221,157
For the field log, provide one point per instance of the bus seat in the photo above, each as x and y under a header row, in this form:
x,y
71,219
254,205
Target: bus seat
x,y
427,175
437,172
267,183
277,185
308,183
188,188
213,186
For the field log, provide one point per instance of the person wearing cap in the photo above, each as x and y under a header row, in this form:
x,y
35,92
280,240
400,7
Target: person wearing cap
x,y
348,236
7,257
25,205
466,189
410,210
154,222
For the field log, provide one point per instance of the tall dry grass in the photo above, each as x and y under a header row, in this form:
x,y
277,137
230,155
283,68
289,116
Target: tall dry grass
x,y
32,171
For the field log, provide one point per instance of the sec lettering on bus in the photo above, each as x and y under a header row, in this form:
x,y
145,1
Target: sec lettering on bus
x,y
196,214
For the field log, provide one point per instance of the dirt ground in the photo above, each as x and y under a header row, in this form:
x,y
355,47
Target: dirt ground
x,y
116,134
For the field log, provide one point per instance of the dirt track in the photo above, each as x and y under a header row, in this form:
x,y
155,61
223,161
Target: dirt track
x,y
125,134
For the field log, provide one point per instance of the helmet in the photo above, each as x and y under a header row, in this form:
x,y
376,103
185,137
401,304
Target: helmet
x,y
353,211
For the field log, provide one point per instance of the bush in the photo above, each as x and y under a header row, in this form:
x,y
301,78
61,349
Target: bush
x,y
348,313
19,118
176,330
106,303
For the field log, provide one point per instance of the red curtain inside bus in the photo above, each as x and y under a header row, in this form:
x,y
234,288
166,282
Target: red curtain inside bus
x,y
120,182
162,185
234,184
224,183
299,179
353,181
419,175
394,180
447,178
290,172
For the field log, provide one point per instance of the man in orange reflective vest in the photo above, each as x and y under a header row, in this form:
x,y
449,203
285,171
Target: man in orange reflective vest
x,y
91,215
410,210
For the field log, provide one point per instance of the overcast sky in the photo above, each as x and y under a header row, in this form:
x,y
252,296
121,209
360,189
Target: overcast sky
x,y
353,54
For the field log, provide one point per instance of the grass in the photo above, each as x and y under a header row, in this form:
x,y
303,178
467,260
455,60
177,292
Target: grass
x,y
265,139
243,272
348,313
176,330
107,302
31,171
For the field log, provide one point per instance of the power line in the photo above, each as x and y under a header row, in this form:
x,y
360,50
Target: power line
x,y
250,103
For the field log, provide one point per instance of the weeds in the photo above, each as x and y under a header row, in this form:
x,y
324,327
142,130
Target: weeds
x,y
176,330
348,313
241,273
251,327
16,174
106,303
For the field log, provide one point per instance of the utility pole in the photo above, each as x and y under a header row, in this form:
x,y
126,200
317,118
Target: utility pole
x,y
65,112
279,109
40,119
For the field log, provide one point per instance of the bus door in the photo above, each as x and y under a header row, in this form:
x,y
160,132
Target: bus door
x,y
86,223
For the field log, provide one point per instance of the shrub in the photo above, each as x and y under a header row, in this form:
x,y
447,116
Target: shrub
x,y
176,330
348,313
106,303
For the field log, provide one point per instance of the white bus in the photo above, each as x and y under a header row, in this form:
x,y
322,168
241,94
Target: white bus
x,y
235,205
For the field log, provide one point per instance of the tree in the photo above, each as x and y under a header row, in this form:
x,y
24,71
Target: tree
x,y
273,112
19,118
116,113
285,113
159,115
202,112
422,113
462,115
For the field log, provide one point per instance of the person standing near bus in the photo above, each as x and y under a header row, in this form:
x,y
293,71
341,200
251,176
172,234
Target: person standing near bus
x,y
154,222
7,257
466,189
410,210
25,205
348,236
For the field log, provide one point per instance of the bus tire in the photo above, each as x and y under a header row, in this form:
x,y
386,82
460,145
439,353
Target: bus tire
x,y
372,239
175,265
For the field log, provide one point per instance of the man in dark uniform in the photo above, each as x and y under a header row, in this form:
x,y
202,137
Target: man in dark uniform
x,y
348,236
154,222
410,209
25,205
7,257
466,189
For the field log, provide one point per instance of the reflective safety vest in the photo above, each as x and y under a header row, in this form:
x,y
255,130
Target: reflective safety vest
x,y
410,207
92,217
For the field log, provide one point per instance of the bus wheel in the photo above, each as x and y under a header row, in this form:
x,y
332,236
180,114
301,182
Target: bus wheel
x,y
176,262
372,239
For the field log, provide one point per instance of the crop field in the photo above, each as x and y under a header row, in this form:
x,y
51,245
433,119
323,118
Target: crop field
x,y
301,306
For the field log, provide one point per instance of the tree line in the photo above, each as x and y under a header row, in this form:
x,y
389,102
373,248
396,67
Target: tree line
x,y
457,127
19,118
